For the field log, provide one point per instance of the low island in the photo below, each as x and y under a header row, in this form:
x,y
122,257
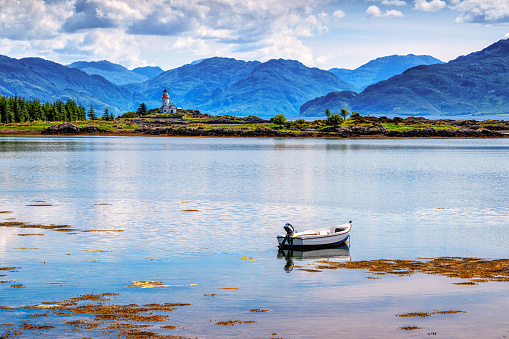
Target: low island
x,y
193,123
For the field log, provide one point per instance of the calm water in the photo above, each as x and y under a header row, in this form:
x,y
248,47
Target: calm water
x,y
407,198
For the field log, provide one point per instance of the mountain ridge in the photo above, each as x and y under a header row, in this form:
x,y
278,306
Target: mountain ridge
x,y
471,84
49,81
277,86
382,68
114,73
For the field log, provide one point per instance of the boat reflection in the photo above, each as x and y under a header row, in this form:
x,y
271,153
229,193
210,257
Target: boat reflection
x,y
338,253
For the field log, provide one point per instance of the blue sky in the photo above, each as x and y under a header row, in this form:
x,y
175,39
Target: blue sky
x,y
319,33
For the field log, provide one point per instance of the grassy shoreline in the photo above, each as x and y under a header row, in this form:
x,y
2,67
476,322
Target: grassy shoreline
x,y
229,126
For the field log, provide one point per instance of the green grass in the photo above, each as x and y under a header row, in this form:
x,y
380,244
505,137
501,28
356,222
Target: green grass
x,y
26,126
403,127
194,123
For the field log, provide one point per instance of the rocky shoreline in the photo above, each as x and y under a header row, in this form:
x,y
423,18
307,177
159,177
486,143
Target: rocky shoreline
x,y
373,131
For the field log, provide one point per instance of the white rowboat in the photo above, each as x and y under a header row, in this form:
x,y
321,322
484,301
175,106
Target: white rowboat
x,y
317,238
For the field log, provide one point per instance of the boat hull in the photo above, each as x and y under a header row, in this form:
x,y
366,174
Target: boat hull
x,y
302,246
315,239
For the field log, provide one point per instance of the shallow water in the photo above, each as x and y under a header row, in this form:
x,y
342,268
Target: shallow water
x,y
204,206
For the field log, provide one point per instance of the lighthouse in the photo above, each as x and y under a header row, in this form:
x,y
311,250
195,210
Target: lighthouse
x,y
166,103
166,107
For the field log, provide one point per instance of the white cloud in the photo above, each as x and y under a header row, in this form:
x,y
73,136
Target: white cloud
x,y
506,36
32,19
105,44
431,6
196,46
375,12
482,11
393,2
393,13
112,29
286,47
338,14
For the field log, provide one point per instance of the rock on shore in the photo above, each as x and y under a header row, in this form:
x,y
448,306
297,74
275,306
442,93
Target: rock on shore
x,y
68,128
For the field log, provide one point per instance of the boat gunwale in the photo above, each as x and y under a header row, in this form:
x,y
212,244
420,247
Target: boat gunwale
x,y
316,236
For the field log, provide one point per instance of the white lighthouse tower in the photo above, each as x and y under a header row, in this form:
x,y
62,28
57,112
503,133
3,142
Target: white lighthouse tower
x,y
166,103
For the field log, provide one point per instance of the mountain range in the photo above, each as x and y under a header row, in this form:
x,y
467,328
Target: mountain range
x,y
382,68
49,81
116,74
473,84
229,86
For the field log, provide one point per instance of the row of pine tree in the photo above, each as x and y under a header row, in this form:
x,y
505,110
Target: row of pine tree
x,y
18,109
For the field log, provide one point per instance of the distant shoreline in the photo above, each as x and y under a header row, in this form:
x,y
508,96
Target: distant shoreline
x,y
503,134
357,127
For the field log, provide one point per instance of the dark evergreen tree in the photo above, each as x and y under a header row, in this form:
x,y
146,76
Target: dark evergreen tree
x,y
17,109
111,117
72,110
20,110
35,111
106,115
91,113
9,111
48,111
142,110
82,113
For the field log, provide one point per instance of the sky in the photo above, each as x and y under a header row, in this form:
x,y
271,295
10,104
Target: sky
x,y
318,33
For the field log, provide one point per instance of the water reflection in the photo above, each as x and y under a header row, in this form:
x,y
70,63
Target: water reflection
x,y
338,253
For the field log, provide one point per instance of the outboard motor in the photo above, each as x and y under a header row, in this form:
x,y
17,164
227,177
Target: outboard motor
x,y
289,229
289,232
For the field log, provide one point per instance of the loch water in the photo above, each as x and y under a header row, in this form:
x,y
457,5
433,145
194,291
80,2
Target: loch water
x,y
201,215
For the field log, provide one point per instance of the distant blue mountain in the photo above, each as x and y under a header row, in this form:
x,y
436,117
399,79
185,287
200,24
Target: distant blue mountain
x,y
382,68
229,86
116,74
148,71
473,84
274,87
189,81
48,81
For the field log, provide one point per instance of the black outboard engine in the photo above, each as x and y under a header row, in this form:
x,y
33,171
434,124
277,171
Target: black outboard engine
x,y
289,229
289,232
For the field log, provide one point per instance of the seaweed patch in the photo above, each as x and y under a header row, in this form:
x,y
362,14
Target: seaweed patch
x,y
152,284
474,269
57,228
104,320
247,258
234,322
409,328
